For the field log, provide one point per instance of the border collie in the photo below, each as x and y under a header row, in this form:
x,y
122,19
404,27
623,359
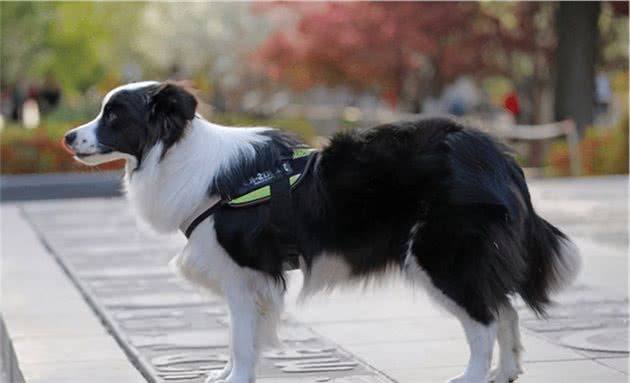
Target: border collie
x,y
438,202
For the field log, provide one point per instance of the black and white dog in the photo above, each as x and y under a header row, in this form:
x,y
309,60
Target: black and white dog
x,y
442,204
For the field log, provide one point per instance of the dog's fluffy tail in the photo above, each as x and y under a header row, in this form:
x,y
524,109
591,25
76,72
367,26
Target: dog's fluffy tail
x,y
554,263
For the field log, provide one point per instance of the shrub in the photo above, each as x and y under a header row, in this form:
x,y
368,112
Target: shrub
x,y
602,151
39,150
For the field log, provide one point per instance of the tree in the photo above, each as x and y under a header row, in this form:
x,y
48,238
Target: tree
x,y
209,40
374,45
76,42
575,61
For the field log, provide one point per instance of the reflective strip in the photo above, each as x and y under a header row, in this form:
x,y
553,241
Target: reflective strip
x,y
265,191
258,194
301,152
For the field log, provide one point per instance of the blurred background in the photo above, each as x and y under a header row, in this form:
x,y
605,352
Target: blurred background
x,y
549,77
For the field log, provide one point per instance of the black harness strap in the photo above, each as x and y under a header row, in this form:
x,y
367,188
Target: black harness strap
x,y
207,213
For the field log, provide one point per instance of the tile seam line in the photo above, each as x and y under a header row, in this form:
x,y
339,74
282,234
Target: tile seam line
x,y
610,367
106,321
369,366
578,350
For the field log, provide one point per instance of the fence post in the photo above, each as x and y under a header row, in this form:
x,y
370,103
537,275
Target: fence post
x,y
573,144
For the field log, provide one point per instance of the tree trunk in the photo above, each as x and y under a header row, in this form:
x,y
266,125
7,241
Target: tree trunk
x,y
577,30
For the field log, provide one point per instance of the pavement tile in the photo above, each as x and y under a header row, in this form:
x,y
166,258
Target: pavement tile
x,y
100,371
326,379
46,324
368,332
442,353
36,350
575,371
49,324
619,364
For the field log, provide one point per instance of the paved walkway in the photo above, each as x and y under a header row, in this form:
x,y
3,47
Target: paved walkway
x,y
387,333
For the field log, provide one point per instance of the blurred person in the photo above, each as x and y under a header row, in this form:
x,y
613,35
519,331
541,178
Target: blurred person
x,y
30,113
461,97
49,94
603,93
18,96
175,73
511,103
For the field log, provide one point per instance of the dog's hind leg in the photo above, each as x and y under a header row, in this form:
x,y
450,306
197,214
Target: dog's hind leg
x,y
480,338
510,347
461,299
480,335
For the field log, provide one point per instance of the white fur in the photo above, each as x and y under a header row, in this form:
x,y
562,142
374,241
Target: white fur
x,y
254,300
167,192
510,347
130,86
569,265
480,337
327,272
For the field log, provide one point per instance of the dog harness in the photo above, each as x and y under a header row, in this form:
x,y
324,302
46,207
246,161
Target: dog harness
x,y
272,185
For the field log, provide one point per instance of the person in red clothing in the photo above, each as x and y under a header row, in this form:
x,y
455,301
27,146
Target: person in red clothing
x,y
510,102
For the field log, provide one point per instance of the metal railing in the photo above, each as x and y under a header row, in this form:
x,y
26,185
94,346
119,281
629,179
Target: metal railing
x,y
550,131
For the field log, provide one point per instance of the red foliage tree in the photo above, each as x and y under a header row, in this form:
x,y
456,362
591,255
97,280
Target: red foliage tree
x,y
376,45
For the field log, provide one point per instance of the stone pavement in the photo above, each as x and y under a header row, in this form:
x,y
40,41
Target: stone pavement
x,y
386,333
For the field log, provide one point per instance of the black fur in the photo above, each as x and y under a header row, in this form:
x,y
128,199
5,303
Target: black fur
x,y
135,120
171,108
479,238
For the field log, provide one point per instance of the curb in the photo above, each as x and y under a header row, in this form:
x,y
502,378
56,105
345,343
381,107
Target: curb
x,y
31,187
9,370
55,337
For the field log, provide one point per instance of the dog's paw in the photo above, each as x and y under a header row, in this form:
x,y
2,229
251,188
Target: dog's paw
x,y
234,378
231,380
499,375
216,377
465,379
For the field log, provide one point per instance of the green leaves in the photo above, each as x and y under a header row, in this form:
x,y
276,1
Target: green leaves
x,y
76,42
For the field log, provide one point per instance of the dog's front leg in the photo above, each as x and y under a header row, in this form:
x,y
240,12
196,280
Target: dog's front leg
x,y
218,376
243,323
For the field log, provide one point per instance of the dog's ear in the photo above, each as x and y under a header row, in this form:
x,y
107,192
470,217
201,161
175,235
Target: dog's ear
x,y
171,107
170,99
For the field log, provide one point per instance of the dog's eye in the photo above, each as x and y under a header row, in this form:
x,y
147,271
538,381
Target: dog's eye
x,y
110,115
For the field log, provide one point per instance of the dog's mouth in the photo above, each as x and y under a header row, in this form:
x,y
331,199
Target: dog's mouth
x,y
85,155
101,149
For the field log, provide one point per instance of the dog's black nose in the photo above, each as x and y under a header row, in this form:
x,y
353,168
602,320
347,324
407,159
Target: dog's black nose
x,y
70,137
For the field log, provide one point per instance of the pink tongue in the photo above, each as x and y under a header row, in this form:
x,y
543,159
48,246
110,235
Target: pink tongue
x,y
65,146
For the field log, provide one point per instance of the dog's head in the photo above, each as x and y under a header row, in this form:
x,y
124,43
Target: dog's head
x,y
133,119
